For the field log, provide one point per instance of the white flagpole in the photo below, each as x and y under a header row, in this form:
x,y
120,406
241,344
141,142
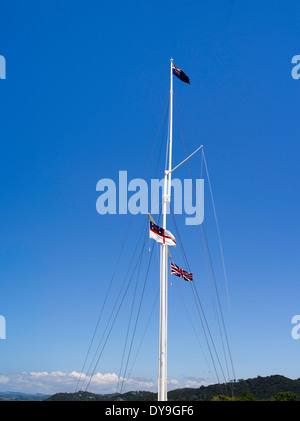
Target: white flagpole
x,y
162,379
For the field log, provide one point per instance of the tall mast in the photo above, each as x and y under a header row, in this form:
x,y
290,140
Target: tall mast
x,y
162,379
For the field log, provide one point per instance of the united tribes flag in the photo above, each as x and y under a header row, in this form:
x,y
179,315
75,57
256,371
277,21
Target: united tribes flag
x,y
161,235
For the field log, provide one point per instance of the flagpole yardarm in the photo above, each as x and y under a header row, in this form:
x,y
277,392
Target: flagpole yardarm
x,y
186,158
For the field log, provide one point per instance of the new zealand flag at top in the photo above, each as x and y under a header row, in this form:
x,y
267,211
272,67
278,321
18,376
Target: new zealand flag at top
x,y
180,74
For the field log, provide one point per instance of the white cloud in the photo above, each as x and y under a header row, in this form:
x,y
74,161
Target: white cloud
x,y
57,381
194,382
3,379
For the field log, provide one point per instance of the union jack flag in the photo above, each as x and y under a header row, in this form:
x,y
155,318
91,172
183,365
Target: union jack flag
x,y
161,235
176,270
180,74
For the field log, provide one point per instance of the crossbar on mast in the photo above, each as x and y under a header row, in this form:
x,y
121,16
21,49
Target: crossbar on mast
x,y
186,159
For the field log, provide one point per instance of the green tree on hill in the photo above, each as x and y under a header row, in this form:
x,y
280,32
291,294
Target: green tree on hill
x,y
247,396
285,396
222,398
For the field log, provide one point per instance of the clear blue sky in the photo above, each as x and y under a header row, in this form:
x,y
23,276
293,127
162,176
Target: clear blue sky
x,y
87,85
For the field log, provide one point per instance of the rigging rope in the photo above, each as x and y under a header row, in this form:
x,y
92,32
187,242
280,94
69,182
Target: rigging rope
x,y
220,244
128,328
198,301
219,235
116,315
105,299
146,277
137,317
156,172
144,333
164,118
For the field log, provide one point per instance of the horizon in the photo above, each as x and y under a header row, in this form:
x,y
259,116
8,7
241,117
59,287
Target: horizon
x,y
137,390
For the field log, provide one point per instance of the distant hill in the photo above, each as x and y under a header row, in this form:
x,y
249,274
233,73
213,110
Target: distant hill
x,y
19,396
262,388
